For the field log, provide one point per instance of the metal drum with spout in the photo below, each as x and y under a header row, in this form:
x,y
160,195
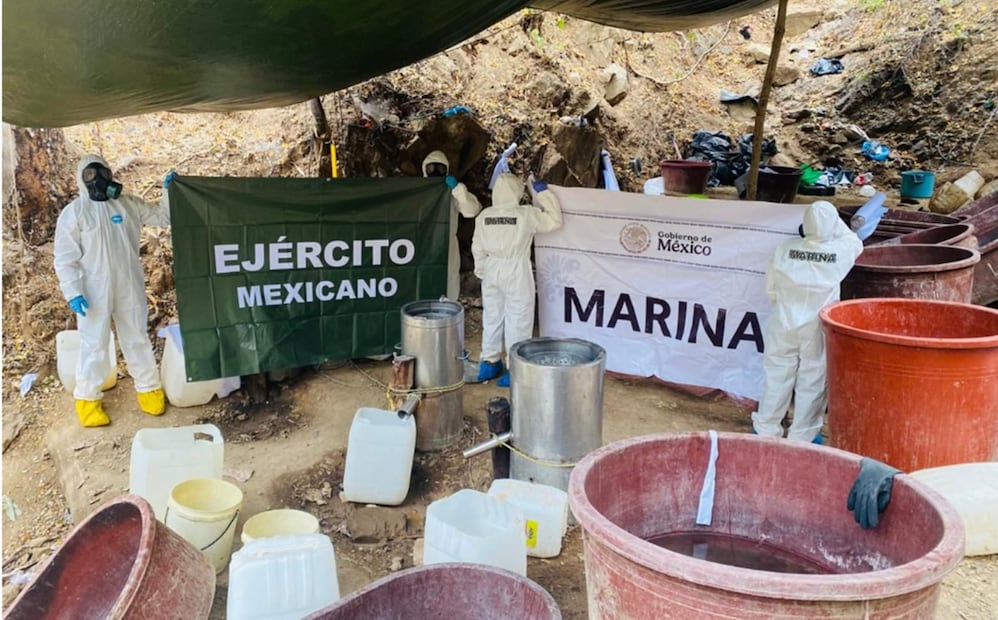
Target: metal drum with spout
x,y
557,407
433,333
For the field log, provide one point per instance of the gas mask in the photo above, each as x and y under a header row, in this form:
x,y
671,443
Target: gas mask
x,y
436,169
97,180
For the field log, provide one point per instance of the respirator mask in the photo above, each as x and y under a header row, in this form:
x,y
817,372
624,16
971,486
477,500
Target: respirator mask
x,y
97,179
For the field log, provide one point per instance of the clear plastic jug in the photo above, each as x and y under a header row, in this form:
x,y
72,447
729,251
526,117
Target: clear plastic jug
x,y
67,347
162,458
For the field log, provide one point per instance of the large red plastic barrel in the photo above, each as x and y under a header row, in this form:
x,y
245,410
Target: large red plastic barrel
x,y
787,494
916,271
120,563
913,382
448,591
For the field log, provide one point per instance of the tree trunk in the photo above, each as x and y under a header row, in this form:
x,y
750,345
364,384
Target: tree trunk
x,y
760,112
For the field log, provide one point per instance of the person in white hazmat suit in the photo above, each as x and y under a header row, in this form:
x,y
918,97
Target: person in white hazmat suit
x,y
462,201
803,277
504,234
100,275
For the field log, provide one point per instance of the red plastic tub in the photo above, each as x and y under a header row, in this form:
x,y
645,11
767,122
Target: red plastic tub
x,y
120,563
683,176
449,592
915,271
786,494
984,218
913,383
959,235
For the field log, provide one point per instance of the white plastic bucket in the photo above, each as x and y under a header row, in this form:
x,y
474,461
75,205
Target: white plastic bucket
x,y
281,522
173,372
472,527
379,457
545,509
204,513
67,347
162,458
282,578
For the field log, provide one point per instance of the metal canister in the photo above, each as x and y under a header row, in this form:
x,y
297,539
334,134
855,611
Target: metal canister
x,y
433,333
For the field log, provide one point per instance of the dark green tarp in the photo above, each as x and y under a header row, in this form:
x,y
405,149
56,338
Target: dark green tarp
x,y
283,273
73,61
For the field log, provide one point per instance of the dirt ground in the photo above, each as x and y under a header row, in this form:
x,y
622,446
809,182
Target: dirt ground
x,y
919,76
290,453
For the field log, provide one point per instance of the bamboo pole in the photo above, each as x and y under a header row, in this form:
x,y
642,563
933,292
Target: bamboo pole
x,y
760,111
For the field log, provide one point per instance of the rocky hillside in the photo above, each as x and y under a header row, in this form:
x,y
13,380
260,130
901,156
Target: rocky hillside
x,y
918,76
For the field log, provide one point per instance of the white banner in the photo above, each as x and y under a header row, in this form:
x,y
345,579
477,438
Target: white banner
x,y
670,287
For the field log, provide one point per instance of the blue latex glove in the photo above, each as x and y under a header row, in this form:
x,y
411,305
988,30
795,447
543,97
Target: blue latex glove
x,y
79,305
458,109
169,178
871,492
450,181
540,186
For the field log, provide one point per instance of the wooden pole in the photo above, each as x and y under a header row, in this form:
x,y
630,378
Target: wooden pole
x,y
323,138
760,111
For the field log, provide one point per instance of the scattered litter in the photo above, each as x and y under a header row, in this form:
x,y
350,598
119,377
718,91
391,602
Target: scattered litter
x,y
875,150
636,165
12,510
396,564
729,97
26,382
95,496
745,31
867,191
729,164
609,177
239,475
827,66
458,109
19,577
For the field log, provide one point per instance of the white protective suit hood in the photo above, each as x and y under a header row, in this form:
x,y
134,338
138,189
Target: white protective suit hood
x,y
508,191
85,161
822,222
436,157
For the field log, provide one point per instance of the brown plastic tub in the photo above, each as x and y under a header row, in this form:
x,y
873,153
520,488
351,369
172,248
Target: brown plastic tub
x,y
915,271
790,495
685,176
120,563
985,222
960,235
911,382
449,592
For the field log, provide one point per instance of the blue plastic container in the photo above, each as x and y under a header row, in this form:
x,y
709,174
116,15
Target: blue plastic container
x,y
917,184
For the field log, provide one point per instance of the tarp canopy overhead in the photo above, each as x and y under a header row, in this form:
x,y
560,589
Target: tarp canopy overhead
x,y
73,61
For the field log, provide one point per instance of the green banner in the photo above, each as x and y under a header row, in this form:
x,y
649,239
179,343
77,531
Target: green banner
x,y
281,273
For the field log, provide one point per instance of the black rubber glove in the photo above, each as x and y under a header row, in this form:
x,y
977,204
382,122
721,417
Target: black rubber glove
x,y
871,492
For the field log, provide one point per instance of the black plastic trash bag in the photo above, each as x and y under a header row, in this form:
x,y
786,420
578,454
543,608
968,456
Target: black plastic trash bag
x,y
729,164
827,66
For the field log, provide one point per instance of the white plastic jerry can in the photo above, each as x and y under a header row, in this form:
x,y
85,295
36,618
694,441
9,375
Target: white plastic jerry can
x,y
67,347
173,372
473,527
378,465
545,510
162,458
282,578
